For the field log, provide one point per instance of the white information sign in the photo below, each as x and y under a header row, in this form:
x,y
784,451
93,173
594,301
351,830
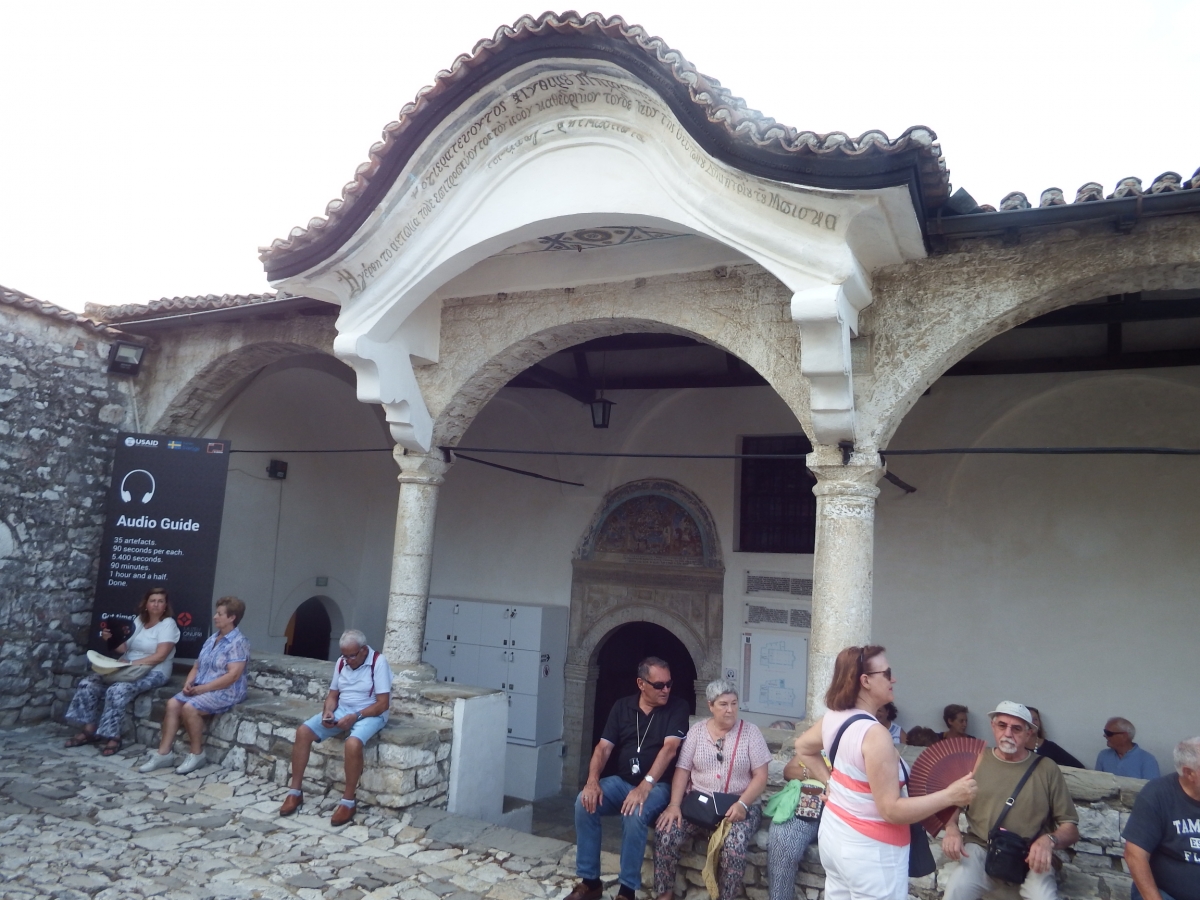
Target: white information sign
x,y
774,673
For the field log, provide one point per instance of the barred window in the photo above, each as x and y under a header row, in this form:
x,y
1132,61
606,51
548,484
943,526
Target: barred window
x,y
778,508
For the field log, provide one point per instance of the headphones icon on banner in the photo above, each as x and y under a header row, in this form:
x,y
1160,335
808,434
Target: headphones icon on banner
x,y
127,497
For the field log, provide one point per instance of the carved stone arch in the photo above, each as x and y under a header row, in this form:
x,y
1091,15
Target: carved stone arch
x,y
204,392
672,580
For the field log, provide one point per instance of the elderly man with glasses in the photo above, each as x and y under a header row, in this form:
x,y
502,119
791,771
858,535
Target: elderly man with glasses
x,y
645,730
358,700
1122,756
1042,815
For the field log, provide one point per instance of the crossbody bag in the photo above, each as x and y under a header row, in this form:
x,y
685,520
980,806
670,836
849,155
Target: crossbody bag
x,y
708,809
1007,850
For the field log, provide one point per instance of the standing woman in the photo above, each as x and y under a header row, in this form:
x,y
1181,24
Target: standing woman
x,y
216,684
155,635
719,754
864,834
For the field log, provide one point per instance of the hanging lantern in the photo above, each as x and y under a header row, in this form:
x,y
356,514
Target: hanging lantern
x,y
601,409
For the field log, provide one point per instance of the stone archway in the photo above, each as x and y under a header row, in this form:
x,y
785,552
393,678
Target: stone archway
x,y
650,554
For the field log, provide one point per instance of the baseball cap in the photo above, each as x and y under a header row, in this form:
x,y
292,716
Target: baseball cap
x,y
1009,708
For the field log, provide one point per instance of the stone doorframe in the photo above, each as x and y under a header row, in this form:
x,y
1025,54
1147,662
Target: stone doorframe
x,y
685,597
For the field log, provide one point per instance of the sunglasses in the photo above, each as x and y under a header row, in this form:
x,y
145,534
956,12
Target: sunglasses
x,y
1109,734
886,673
658,685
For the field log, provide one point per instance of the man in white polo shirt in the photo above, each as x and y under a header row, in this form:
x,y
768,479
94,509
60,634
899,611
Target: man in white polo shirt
x,y
358,700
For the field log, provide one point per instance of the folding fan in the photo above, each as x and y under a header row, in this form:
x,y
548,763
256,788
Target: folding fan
x,y
939,766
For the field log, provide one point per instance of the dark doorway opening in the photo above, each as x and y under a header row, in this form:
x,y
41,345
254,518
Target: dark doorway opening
x,y
618,660
309,630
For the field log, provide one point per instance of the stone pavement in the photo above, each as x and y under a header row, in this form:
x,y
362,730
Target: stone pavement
x,y
76,825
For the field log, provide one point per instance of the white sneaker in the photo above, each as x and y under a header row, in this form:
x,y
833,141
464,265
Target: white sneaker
x,y
191,763
157,761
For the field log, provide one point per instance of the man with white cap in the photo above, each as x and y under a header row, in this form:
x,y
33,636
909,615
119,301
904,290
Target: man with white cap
x,y
1040,820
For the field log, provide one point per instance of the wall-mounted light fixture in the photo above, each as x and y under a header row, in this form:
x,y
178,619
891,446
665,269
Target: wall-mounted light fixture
x,y
277,469
601,409
125,358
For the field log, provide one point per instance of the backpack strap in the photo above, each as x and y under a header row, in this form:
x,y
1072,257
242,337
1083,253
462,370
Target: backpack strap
x,y
1008,804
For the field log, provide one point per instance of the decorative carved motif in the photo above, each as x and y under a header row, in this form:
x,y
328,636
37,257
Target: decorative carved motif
x,y
650,525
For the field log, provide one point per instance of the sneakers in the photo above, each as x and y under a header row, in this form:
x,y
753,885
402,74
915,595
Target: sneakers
x,y
191,763
157,761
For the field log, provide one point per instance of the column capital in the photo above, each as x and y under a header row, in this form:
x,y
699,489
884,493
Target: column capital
x,y
420,468
856,479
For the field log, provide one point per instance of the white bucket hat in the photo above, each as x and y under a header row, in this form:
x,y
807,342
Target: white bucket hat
x,y
1009,708
104,665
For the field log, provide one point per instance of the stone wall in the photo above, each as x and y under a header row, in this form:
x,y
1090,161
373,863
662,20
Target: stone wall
x,y
59,415
1093,868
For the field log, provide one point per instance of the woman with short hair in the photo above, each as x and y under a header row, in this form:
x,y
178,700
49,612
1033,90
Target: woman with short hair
x,y
864,832
99,708
216,684
720,754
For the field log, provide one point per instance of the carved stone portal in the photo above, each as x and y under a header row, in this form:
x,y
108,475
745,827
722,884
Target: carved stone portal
x,y
650,554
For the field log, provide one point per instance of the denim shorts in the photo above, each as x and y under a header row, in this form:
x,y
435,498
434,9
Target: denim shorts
x,y
364,729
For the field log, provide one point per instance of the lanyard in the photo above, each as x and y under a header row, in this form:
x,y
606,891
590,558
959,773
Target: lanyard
x,y
637,729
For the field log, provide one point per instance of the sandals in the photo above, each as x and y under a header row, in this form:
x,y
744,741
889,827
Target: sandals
x,y
112,748
81,739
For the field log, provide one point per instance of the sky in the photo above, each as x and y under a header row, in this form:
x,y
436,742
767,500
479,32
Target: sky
x,y
148,149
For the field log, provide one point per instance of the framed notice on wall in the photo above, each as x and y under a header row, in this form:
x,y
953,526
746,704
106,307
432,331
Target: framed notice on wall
x,y
161,529
774,673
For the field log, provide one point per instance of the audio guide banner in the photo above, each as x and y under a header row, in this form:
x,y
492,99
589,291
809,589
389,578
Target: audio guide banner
x,y
162,529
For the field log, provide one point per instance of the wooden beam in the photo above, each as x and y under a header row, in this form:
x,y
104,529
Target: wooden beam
x,y
544,377
1127,309
664,382
1154,359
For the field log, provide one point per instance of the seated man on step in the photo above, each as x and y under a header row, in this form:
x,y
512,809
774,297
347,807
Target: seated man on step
x,y
645,730
359,696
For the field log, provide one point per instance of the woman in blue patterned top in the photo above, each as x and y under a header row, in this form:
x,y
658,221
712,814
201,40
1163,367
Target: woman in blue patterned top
x,y
216,683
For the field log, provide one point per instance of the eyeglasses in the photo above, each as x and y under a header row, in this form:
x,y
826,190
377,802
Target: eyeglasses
x,y
658,685
1109,734
886,673
1014,727
353,656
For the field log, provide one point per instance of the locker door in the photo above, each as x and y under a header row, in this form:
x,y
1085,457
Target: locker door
x,y
465,628
493,667
439,620
465,665
495,623
526,630
522,717
524,671
437,654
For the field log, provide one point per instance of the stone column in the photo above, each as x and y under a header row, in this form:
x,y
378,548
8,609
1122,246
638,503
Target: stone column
x,y
412,561
843,561
579,707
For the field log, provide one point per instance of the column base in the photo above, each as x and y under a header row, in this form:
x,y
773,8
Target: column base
x,y
414,673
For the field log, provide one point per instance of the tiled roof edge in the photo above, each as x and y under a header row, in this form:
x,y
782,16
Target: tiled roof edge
x,y
726,120
129,312
21,300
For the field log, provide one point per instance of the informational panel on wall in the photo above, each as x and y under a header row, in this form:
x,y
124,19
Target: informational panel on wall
x,y
774,673
161,530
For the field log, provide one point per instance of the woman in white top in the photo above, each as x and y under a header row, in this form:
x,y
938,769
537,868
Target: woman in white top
x,y
100,708
864,833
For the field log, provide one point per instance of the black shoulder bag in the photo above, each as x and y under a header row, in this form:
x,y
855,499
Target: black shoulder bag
x,y
920,857
1006,850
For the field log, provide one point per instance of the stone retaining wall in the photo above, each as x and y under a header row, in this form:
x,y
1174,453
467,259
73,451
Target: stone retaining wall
x,y
1094,869
408,763
60,411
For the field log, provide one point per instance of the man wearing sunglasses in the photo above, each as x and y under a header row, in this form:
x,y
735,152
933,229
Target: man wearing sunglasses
x,y
645,731
1122,756
358,700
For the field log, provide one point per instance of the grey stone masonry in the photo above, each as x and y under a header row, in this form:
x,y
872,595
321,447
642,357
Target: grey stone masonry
x,y
59,415
408,763
1094,869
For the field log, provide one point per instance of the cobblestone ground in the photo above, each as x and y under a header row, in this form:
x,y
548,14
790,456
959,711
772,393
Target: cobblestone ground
x,y
76,825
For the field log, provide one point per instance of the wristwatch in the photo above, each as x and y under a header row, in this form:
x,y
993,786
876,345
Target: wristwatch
x,y
359,714
1053,840
649,779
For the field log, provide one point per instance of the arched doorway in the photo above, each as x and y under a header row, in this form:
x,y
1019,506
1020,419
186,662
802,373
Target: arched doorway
x,y
623,648
309,630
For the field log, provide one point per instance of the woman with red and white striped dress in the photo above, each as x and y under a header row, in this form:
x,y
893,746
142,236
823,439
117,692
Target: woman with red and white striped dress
x,y
864,832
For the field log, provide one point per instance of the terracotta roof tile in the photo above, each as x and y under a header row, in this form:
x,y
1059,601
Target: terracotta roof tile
x,y
11,297
131,311
741,125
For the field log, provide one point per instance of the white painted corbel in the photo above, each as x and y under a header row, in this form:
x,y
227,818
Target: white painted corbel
x,y
828,317
385,373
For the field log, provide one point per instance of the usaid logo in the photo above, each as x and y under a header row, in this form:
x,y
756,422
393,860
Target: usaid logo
x,y
140,442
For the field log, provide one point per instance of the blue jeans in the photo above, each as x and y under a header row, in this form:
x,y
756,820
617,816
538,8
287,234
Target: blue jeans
x,y
614,790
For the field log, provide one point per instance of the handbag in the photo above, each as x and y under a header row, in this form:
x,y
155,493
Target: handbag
x,y
708,809
127,674
811,803
920,857
1007,850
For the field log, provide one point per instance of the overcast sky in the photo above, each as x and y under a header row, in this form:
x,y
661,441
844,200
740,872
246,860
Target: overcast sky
x,y
149,149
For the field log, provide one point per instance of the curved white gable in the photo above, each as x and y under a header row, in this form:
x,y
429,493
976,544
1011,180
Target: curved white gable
x,y
558,145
